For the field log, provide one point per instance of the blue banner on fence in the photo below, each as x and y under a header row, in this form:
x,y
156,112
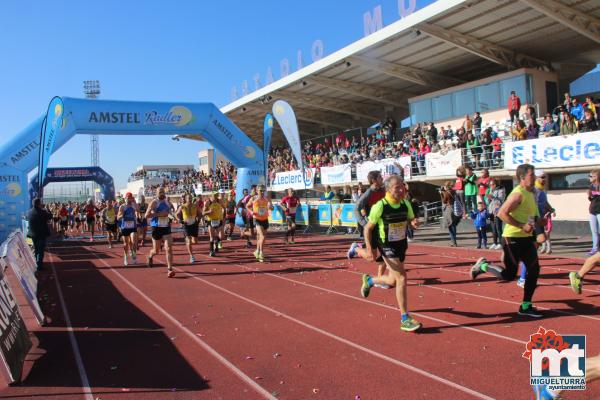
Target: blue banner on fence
x,y
277,216
348,216
302,215
324,214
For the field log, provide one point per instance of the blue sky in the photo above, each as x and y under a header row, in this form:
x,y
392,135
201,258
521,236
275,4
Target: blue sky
x,y
193,51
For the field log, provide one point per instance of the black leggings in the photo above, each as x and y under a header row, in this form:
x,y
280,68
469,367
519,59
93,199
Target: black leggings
x,y
521,249
497,229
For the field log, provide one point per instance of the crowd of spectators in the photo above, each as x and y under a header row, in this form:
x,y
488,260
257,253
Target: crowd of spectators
x,y
481,145
222,177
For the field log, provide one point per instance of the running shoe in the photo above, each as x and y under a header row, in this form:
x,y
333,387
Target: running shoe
x,y
352,251
149,262
248,244
542,248
365,288
285,241
170,273
261,257
498,246
91,239
531,311
192,260
256,253
292,241
134,259
521,283
476,269
125,263
575,282
410,324
220,245
592,252
110,246
211,253
229,239
543,393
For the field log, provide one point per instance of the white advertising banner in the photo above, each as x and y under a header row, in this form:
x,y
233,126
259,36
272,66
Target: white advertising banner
x,y
387,167
438,164
340,174
18,255
294,180
558,151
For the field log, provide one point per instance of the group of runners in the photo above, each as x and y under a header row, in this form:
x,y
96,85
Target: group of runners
x,y
383,213
130,220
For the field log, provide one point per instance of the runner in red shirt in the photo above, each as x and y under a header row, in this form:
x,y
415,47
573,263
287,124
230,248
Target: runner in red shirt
x,y
289,204
63,214
90,217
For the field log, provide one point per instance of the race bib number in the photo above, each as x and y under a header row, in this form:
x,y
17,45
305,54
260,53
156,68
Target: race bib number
x,y
215,224
163,222
190,221
292,210
397,231
262,211
149,221
129,224
63,219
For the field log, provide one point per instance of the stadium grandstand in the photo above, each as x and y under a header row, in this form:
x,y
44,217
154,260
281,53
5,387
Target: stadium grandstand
x,y
442,65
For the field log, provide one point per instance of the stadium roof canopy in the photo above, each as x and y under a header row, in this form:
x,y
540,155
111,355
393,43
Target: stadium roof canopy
x,y
444,44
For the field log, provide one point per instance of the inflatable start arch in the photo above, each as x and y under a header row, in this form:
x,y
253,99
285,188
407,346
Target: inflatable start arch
x,y
103,117
76,174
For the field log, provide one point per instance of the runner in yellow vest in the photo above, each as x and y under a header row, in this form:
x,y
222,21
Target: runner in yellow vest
x,y
188,213
520,215
109,216
260,206
213,211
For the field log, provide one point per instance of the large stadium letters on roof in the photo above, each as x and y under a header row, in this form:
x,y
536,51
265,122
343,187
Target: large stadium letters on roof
x,y
102,117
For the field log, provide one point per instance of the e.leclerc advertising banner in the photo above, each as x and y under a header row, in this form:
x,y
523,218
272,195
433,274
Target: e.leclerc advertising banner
x,y
294,180
339,174
558,151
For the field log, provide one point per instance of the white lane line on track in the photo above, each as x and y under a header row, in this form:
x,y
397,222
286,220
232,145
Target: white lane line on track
x,y
377,304
572,314
191,334
85,383
342,340
541,259
467,273
302,323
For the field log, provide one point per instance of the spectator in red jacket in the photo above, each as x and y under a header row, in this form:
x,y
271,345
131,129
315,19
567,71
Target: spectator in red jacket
x,y
514,105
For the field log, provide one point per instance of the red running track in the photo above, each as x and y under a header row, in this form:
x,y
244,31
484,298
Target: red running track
x,y
294,327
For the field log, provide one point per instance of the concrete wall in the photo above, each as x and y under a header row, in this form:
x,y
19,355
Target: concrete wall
x,y
570,205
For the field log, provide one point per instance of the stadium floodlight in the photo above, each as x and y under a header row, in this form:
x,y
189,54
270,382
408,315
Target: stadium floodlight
x,y
91,89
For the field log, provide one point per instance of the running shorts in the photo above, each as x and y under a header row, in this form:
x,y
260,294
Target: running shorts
x,y
159,232
191,230
394,249
128,232
264,224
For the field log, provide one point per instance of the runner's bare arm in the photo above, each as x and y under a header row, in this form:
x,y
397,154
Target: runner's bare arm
x,y
368,232
150,210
